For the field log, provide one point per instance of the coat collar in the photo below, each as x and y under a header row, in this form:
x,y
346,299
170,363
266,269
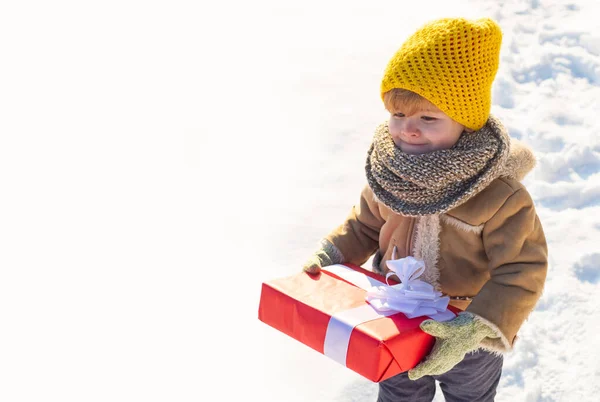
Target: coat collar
x,y
520,162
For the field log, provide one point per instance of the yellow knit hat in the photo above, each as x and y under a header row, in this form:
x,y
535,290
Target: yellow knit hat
x,y
452,63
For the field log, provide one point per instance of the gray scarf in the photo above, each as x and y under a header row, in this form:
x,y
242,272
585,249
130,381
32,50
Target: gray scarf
x,y
435,182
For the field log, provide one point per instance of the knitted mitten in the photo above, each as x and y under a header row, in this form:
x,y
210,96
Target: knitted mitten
x,y
454,339
327,254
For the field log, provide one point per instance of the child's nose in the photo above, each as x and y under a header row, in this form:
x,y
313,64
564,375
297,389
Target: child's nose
x,y
411,130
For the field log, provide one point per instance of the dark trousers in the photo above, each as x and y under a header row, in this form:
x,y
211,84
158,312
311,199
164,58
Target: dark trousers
x,y
475,379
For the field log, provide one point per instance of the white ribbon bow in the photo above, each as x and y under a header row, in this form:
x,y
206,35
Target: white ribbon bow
x,y
412,296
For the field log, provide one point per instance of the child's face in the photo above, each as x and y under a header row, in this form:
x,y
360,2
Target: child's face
x,y
425,130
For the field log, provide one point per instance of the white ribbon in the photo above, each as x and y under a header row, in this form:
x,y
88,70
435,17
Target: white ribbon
x,y
341,325
412,296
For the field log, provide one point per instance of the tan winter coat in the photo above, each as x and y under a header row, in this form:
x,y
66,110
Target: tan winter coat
x,y
488,254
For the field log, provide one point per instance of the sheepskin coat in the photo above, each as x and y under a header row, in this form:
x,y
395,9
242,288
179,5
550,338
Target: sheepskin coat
x,y
489,254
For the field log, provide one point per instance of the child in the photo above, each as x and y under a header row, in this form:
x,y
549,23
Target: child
x,y
444,186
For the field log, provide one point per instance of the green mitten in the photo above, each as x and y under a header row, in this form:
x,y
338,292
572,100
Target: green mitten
x,y
326,255
454,339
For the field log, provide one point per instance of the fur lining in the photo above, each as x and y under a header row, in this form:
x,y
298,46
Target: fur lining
x,y
332,251
497,345
461,225
427,247
521,161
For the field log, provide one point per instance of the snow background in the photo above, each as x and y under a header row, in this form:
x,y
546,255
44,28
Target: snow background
x,y
159,160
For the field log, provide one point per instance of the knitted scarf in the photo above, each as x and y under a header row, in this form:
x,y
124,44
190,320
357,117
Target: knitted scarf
x,y
435,182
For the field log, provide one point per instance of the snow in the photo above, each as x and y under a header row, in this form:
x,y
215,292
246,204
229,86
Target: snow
x,y
161,160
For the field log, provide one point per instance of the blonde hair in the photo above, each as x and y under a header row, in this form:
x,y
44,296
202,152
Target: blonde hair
x,y
405,101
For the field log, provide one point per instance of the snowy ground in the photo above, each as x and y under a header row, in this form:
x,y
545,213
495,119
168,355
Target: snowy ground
x,y
159,161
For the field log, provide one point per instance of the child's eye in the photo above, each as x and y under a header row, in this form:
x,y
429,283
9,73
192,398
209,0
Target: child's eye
x,y
428,118
398,114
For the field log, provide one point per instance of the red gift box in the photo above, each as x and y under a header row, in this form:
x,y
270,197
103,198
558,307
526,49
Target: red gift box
x,y
302,306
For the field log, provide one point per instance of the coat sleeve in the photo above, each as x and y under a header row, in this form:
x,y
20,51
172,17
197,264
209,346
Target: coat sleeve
x,y
358,237
516,247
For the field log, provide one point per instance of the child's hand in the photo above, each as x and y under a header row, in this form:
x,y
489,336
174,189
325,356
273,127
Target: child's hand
x,y
327,255
454,339
316,261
